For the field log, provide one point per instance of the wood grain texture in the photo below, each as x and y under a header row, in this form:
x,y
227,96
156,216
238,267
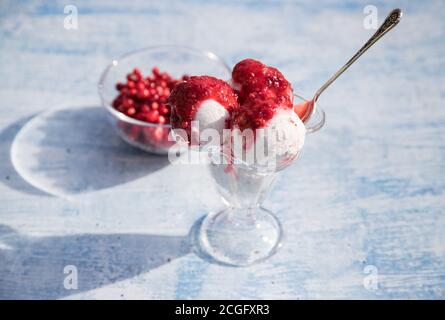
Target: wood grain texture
x,y
369,189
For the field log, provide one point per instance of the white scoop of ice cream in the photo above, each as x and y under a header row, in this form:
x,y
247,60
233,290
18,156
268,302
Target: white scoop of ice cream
x,y
274,145
290,132
210,115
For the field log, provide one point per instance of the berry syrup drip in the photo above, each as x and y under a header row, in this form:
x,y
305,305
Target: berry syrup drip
x,y
144,98
187,96
254,114
262,91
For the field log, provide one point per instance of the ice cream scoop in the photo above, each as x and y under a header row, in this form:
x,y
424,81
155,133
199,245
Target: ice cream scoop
x,y
206,100
269,131
212,115
255,80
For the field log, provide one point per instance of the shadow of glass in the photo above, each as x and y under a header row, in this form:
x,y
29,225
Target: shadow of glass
x,y
33,267
8,175
75,150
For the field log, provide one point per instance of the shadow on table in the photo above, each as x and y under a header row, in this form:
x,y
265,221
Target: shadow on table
x,y
8,175
72,151
33,267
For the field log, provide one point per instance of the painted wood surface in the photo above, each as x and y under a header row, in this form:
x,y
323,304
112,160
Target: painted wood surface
x,y
365,201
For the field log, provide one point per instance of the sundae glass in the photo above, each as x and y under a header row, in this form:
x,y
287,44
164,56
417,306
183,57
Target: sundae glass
x,y
256,133
244,232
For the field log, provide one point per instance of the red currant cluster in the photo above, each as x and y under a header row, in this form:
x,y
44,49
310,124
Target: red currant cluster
x,y
144,98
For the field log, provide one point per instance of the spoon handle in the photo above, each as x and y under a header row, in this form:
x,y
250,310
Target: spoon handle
x,y
390,22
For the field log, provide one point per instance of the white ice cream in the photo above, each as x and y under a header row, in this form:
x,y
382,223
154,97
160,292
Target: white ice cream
x,y
280,141
210,115
290,132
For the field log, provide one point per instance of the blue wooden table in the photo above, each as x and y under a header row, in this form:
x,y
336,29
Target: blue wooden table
x,y
363,208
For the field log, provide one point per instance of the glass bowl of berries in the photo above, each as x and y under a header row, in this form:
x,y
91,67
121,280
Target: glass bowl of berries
x,y
134,90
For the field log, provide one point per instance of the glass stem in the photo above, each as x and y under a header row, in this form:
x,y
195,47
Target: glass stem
x,y
246,196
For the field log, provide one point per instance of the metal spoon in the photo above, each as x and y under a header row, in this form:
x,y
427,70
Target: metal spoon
x,y
307,108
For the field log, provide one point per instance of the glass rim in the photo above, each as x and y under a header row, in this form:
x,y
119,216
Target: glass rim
x,y
317,112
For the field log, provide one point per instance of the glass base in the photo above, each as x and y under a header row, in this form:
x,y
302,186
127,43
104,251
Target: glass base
x,y
240,237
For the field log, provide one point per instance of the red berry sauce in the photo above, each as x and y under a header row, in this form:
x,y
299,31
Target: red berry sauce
x,y
262,91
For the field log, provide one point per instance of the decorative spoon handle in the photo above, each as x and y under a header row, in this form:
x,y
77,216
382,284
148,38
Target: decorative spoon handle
x,y
390,22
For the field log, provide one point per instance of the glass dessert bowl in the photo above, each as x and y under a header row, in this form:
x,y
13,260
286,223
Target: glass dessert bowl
x,y
177,61
244,232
